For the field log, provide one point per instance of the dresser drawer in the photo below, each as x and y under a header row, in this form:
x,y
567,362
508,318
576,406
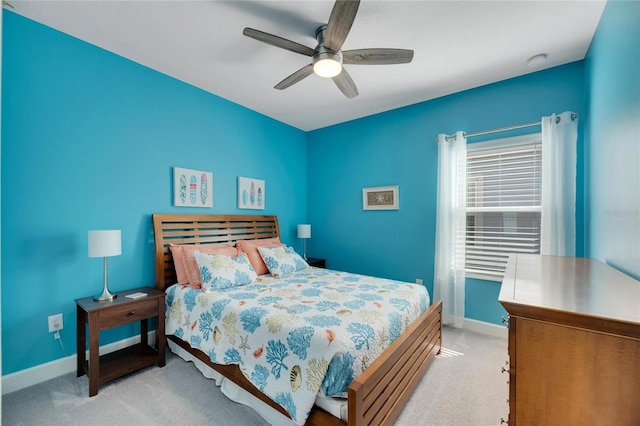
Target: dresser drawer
x,y
128,312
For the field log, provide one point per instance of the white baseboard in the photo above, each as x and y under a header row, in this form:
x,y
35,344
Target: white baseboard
x,y
50,370
485,328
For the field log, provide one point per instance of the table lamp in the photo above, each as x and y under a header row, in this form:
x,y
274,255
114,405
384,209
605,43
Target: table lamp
x,y
105,244
304,232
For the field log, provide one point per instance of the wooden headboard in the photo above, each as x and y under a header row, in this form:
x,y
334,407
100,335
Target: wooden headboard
x,y
203,229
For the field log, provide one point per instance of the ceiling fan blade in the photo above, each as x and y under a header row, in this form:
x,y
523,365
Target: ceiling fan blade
x,y
377,56
280,42
346,84
340,22
303,72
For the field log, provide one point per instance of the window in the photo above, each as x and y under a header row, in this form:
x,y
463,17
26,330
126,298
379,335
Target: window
x,y
503,203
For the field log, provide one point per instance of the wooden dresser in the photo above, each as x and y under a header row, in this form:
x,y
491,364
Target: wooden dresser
x,y
574,342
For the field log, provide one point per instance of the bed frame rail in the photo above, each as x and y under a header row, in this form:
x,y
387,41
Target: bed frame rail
x,y
379,394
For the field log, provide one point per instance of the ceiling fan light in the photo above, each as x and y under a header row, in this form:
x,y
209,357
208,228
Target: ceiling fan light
x,y
327,63
327,68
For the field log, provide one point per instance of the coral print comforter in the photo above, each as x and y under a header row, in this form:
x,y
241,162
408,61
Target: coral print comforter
x,y
309,332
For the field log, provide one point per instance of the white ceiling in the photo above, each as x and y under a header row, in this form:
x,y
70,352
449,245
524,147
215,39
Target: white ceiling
x,y
458,45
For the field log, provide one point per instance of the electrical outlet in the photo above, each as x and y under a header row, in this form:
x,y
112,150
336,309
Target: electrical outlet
x,y
418,281
55,323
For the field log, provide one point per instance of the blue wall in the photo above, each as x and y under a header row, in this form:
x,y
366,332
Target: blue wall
x,y
399,148
89,142
612,73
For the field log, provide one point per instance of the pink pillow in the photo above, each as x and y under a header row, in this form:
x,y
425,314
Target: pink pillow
x,y
250,248
178,264
187,270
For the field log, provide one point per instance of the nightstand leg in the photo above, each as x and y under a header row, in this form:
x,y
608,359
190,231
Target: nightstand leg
x,y
144,332
81,344
94,353
161,340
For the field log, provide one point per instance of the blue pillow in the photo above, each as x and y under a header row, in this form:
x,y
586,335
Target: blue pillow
x,y
218,271
282,260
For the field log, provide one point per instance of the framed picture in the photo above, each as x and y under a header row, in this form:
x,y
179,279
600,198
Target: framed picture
x,y
192,188
380,198
251,193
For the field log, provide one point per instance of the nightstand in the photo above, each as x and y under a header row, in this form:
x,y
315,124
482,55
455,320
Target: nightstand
x,y
318,263
119,311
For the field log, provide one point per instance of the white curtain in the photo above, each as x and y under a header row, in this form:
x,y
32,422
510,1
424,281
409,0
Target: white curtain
x,y
559,156
451,227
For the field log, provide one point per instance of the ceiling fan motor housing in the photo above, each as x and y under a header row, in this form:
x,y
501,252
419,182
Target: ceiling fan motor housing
x,y
326,62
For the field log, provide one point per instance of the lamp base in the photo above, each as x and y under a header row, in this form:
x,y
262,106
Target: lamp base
x,y
104,296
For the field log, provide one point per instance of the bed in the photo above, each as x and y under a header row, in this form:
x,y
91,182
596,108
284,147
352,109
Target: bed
x,y
376,396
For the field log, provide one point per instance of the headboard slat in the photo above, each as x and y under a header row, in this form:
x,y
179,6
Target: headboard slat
x,y
203,229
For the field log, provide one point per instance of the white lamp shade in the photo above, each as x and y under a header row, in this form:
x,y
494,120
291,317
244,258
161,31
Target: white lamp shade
x,y
105,243
304,231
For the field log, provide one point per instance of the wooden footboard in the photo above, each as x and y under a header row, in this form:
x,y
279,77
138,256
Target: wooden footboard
x,y
378,395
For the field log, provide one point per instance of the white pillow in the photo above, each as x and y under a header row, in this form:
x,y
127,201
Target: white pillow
x,y
218,271
282,260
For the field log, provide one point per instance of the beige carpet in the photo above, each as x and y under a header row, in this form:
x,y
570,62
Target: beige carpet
x,y
464,386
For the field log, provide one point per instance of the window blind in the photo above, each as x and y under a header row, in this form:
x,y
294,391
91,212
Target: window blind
x,y
503,204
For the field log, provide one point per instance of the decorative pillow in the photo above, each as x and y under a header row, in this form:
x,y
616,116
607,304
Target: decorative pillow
x,y
218,271
187,270
250,248
282,260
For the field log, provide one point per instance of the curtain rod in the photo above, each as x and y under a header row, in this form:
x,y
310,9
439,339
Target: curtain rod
x,y
504,129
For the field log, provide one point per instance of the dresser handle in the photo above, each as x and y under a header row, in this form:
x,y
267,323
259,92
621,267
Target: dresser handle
x,y
131,313
503,320
503,421
504,370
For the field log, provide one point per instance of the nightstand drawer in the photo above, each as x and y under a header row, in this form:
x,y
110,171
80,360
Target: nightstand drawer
x,y
128,312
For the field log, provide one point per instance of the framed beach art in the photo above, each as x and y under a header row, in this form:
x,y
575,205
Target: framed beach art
x,y
380,198
251,193
192,188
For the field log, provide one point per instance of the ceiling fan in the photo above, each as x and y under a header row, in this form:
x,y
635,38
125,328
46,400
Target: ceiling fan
x,y
327,58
